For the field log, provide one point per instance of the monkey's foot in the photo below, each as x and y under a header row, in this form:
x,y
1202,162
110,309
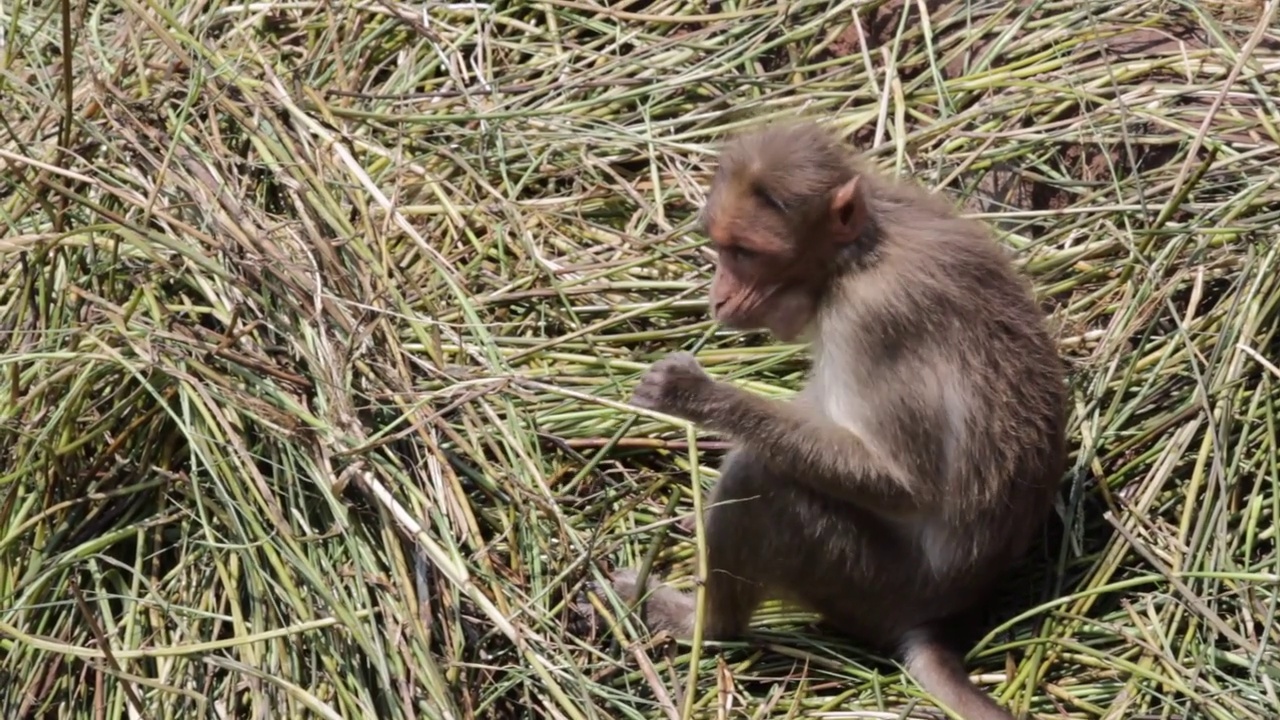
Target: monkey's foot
x,y
583,621
688,523
624,580
665,608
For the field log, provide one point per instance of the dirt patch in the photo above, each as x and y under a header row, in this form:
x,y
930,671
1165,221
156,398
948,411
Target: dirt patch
x,y
880,26
880,23
1100,165
1154,41
1089,167
846,43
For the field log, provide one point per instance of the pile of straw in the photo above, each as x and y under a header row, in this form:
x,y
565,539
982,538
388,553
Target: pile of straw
x,y
319,321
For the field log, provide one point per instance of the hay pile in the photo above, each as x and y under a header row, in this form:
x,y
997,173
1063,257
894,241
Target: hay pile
x,y
317,318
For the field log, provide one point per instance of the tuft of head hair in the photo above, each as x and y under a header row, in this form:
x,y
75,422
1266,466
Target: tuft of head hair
x,y
793,164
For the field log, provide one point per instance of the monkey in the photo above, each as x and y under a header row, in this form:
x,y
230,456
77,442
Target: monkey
x,y
923,452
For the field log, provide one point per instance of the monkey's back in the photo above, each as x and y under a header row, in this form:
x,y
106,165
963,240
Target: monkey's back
x,y
955,374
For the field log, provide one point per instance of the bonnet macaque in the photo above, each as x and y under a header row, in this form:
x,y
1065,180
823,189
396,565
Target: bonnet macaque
x,y
922,456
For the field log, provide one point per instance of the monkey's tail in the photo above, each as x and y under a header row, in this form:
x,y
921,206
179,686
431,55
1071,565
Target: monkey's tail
x,y
940,670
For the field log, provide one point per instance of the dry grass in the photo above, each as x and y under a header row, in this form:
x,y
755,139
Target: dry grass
x,y
319,320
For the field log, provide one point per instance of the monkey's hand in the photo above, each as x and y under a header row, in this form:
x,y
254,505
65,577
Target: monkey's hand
x,y
676,385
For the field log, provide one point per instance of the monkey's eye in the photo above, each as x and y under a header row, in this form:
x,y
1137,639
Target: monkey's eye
x,y
737,252
763,195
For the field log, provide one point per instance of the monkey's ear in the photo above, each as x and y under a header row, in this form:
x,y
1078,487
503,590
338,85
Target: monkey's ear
x,y
848,208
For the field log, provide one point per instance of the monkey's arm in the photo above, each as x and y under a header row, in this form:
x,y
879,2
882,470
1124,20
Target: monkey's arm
x,y
815,451
829,458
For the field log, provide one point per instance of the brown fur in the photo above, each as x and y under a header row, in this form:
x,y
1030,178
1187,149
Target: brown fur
x,y
921,458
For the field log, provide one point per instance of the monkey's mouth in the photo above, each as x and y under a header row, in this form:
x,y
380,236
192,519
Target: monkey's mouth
x,y
785,332
738,323
742,325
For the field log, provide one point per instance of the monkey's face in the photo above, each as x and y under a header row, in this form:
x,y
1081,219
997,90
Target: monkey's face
x,y
765,279
778,213
771,267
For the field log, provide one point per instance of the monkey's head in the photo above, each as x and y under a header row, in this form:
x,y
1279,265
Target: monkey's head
x,y
783,206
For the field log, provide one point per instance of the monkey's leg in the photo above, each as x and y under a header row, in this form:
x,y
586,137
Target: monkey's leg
x,y
734,588
877,590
